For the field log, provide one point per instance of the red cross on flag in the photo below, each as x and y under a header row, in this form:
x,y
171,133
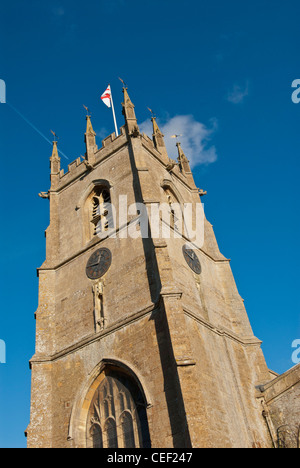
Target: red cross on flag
x,y
108,101
106,96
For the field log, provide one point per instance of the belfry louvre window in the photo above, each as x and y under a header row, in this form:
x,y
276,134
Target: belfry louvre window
x,y
101,213
174,210
117,415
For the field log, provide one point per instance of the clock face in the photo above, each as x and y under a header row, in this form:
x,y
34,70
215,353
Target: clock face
x,y
98,264
191,259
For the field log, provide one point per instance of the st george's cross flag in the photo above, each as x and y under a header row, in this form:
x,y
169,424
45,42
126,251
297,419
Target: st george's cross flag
x,y
108,101
106,96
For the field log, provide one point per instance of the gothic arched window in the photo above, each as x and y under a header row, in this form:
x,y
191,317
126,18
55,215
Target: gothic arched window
x,y
175,210
117,414
96,434
100,211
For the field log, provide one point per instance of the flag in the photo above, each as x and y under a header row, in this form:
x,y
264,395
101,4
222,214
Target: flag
x,y
106,96
108,101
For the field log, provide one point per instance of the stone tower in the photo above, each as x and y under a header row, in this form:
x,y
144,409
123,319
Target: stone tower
x,y
142,340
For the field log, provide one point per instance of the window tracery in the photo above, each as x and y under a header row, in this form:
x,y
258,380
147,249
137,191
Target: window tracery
x,y
117,414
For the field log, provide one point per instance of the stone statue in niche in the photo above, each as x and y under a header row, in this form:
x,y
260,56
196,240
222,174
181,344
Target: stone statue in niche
x,y
100,319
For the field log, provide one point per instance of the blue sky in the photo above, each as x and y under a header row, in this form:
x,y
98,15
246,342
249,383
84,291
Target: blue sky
x,y
218,72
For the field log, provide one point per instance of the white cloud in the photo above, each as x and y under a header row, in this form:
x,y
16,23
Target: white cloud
x,y
195,138
102,133
238,94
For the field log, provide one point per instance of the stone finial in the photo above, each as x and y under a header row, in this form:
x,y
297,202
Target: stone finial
x,y
54,167
90,141
89,127
129,114
55,160
158,140
183,161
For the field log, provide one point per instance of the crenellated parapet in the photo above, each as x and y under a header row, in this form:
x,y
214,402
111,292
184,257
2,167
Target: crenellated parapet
x,y
111,144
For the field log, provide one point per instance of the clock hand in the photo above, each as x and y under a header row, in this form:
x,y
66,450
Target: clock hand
x,y
191,255
97,261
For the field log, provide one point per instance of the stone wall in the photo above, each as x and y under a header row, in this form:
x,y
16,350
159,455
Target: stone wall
x,y
282,396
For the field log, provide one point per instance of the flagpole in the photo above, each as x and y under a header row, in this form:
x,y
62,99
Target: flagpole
x,y
113,111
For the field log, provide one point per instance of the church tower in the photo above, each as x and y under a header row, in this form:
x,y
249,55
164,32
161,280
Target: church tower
x,y
142,339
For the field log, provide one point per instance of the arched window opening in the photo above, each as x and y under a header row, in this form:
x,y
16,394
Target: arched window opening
x,y
117,414
111,434
121,400
175,210
100,212
96,436
106,408
128,430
